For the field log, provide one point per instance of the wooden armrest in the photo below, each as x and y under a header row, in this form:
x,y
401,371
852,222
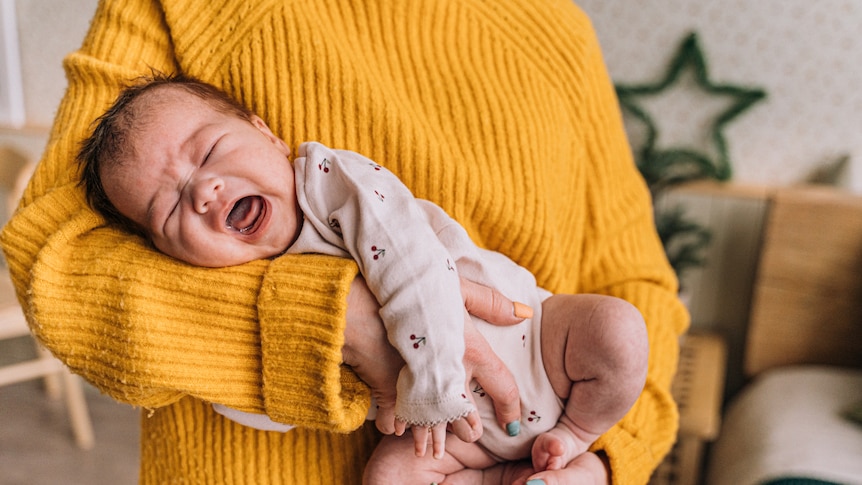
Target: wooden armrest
x,y
699,385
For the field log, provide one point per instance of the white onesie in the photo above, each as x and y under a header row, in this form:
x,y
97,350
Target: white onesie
x,y
410,253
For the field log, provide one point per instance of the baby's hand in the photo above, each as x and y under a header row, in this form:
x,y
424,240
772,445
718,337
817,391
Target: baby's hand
x,y
421,437
470,426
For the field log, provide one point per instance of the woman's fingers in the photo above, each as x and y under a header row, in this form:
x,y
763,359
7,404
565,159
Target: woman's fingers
x,y
479,358
492,374
586,468
491,305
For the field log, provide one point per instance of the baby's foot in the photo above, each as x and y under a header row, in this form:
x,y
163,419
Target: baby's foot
x,y
554,449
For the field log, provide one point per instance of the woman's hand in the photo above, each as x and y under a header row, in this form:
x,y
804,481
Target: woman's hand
x,y
586,469
481,362
367,350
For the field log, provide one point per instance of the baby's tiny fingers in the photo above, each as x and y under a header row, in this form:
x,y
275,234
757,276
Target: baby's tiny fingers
x,y
420,440
468,429
438,440
400,427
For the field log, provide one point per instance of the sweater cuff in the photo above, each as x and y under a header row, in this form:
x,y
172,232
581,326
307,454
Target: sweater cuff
x,y
302,309
632,458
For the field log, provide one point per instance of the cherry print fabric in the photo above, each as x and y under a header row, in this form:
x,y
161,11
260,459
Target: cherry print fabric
x,y
345,214
359,209
410,253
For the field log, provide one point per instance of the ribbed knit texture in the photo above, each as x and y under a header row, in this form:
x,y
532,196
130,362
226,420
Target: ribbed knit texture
x,y
500,111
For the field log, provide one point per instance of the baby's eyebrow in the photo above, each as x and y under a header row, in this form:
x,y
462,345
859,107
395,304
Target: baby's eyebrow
x,y
153,206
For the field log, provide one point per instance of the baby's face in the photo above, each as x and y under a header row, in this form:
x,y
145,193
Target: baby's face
x,y
210,188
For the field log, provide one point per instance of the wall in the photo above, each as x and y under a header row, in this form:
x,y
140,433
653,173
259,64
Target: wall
x,y
806,55
48,30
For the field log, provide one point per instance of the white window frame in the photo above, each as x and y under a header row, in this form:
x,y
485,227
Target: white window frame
x,y
12,112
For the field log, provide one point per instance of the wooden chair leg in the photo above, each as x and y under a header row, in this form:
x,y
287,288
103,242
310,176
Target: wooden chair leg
x,y
53,382
79,414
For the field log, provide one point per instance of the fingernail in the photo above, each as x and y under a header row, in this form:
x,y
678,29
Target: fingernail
x,y
521,310
536,481
513,428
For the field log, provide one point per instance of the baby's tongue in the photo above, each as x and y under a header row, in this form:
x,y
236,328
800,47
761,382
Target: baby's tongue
x,y
244,213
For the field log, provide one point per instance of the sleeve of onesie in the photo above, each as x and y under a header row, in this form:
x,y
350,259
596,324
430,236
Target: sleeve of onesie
x,y
361,207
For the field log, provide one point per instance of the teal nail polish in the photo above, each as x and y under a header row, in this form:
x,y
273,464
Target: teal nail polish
x,y
513,428
536,481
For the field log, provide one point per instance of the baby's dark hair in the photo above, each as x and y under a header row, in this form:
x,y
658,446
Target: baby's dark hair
x,y
109,144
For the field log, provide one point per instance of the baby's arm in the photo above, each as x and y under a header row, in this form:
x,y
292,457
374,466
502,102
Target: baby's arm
x,y
365,340
377,363
362,208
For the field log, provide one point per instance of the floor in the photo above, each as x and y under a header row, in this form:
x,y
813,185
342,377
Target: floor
x,y
36,442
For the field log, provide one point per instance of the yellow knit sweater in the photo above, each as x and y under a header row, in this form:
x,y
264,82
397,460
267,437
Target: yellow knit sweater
x,y
500,111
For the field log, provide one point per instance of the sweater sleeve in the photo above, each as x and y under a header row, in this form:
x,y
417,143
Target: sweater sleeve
x,y
147,329
623,257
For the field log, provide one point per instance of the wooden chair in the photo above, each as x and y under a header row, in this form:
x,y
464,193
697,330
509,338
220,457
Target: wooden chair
x,y
59,382
697,390
807,306
803,357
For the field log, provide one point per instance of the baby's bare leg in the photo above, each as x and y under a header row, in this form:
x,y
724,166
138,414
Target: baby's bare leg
x,y
395,461
595,352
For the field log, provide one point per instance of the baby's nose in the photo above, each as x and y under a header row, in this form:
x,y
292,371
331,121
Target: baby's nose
x,y
205,192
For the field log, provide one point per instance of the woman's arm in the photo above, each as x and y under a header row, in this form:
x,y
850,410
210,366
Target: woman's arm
x,y
606,209
623,257
142,327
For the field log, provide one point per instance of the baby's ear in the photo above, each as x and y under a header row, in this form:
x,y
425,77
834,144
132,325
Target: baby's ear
x,y
261,125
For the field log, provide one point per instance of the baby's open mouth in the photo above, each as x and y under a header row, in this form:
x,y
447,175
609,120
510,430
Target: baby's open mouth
x,y
245,214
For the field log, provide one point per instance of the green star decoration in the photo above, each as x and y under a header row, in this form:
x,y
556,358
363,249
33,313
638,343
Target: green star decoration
x,y
662,168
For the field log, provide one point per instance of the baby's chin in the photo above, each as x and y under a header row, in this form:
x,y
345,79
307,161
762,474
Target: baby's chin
x,y
247,253
216,258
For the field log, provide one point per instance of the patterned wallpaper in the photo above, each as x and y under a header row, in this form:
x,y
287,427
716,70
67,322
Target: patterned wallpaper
x,y
806,55
47,31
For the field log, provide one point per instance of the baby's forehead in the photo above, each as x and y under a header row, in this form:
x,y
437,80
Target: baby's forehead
x,y
156,109
166,96
162,108
126,165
